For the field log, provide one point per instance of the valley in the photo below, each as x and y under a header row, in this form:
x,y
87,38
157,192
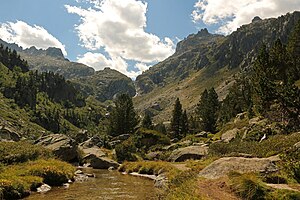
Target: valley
x,y
218,119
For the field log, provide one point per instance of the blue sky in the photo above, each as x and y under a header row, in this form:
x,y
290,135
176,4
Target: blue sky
x,y
127,35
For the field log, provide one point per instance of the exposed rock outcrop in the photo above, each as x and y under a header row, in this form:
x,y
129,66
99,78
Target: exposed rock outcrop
x,y
62,146
229,135
223,166
190,152
8,134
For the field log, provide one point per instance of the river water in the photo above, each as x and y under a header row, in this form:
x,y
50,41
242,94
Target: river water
x,y
108,185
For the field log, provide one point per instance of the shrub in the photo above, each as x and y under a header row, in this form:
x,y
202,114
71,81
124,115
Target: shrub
x,y
54,172
125,151
145,138
247,186
19,152
291,163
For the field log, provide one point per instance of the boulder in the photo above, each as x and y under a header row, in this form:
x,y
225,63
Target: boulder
x,y
122,137
114,143
43,188
240,117
94,141
223,166
190,152
202,134
81,136
101,162
229,135
8,134
153,155
91,151
62,146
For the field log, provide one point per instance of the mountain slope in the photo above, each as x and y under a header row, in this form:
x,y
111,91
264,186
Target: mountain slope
x,y
105,84
205,60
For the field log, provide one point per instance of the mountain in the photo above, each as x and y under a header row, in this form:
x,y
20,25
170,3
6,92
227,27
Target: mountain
x,y
52,60
105,84
205,60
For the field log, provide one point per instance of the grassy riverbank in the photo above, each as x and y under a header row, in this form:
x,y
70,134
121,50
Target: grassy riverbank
x,y
24,167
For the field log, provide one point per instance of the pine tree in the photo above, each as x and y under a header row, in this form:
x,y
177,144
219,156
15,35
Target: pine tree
x,y
176,120
184,124
207,110
123,119
147,122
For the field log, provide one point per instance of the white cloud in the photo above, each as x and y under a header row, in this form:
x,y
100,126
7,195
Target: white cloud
x,y
27,36
232,14
98,61
118,27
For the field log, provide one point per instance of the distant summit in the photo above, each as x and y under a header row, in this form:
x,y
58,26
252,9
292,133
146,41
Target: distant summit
x,y
203,32
256,19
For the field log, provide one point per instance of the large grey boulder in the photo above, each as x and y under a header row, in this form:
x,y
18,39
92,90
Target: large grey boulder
x,y
229,135
190,152
8,134
61,145
101,162
224,166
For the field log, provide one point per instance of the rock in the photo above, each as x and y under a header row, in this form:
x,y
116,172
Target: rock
x,y
122,137
91,151
101,162
8,134
202,134
111,168
81,136
78,172
240,117
114,143
66,185
94,141
190,152
174,140
229,135
43,188
153,155
91,175
256,19
81,178
156,106
62,146
223,166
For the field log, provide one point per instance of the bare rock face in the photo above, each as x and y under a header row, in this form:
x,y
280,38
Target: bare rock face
x,y
229,135
62,146
101,162
8,134
223,166
190,152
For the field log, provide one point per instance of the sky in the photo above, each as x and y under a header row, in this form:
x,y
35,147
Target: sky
x,y
127,35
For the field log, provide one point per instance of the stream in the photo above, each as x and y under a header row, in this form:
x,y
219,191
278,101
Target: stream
x,y
108,185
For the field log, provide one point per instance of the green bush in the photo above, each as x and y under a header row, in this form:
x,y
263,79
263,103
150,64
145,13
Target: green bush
x,y
291,163
247,186
16,181
125,151
19,152
271,146
53,172
145,138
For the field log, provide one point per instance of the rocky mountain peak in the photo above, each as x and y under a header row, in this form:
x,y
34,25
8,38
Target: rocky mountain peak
x,y
256,19
203,32
54,52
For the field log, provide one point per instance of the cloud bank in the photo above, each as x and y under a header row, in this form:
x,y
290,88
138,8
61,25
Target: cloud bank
x,y
117,28
27,36
230,15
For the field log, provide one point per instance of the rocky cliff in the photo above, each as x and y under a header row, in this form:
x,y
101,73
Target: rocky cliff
x,y
205,60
